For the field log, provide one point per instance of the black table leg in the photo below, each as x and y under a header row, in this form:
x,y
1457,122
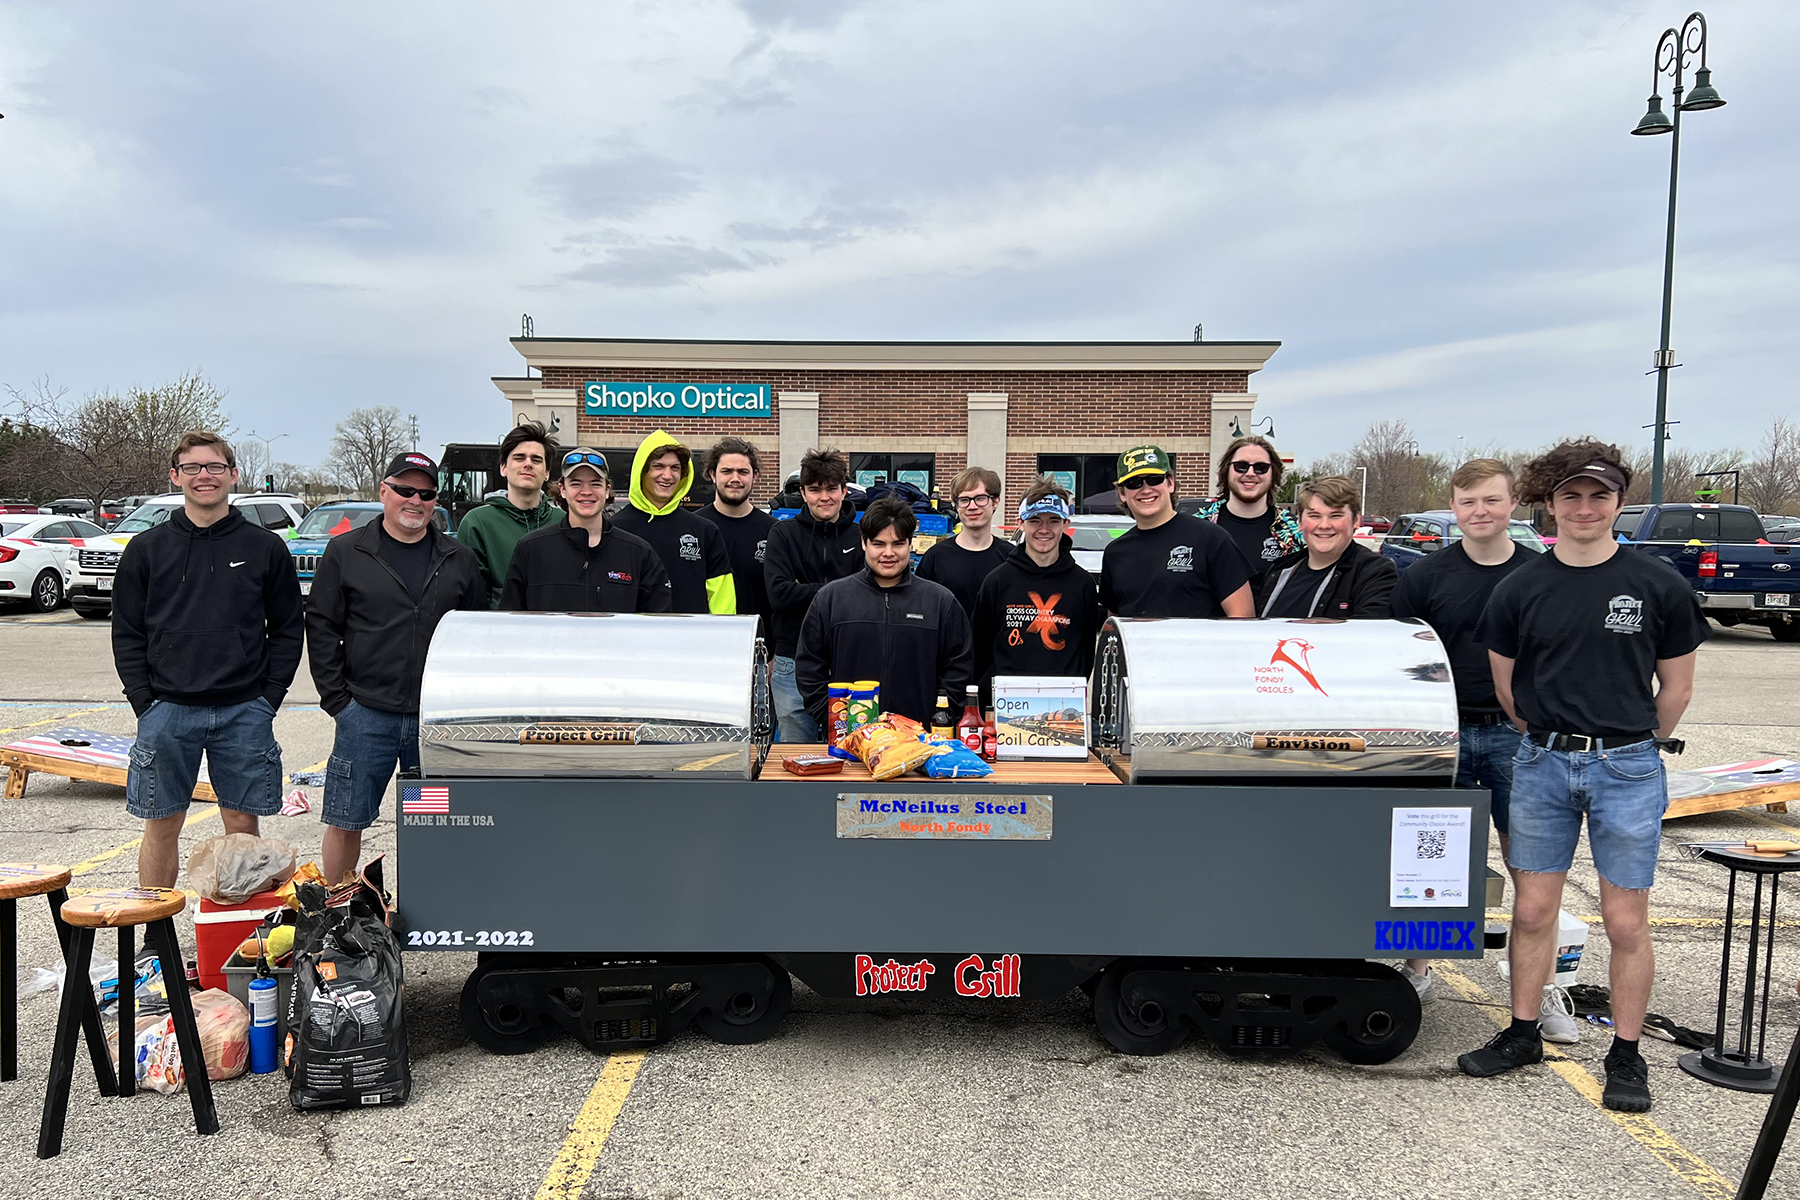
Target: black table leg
x,y
1750,973
127,1012
1725,959
68,1029
1774,1129
161,936
91,1028
9,990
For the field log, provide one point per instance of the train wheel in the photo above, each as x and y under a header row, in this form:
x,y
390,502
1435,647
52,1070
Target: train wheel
x,y
506,1028
1133,1020
753,1012
1384,1022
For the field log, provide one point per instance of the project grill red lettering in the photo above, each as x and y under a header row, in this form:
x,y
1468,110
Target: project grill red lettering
x,y
975,978
874,978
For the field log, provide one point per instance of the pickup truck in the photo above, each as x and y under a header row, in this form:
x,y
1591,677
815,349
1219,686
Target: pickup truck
x,y
1740,577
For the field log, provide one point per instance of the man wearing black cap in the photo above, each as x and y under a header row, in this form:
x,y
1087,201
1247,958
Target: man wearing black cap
x,y
378,596
1576,637
589,564
1170,564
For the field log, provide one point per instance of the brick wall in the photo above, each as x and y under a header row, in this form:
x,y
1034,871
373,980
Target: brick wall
x,y
931,408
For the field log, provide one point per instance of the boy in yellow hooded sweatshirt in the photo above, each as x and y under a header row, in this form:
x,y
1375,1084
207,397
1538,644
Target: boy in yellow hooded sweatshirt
x,y
691,548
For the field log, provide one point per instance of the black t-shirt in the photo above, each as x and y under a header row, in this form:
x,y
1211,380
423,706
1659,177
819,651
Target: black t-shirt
x,y
1298,594
1585,640
963,571
692,552
411,561
1185,567
746,539
1254,538
1448,591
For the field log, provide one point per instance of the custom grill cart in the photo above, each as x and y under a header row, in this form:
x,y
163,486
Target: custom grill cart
x,y
1267,806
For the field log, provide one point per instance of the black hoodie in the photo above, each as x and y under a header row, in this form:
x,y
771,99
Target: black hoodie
x,y
912,637
206,616
1032,620
803,556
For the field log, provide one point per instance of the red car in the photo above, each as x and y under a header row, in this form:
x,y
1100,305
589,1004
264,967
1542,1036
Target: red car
x,y
1377,524
18,506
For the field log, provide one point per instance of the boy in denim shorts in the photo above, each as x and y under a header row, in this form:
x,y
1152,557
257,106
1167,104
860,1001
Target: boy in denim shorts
x,y
1575,639
206,639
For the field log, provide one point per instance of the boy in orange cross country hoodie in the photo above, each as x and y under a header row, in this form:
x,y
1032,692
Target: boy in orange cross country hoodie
x,y
691,548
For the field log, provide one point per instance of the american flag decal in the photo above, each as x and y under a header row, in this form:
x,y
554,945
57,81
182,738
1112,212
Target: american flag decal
x,y
424,799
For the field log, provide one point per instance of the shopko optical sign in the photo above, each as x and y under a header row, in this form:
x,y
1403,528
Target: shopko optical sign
x,y
678,399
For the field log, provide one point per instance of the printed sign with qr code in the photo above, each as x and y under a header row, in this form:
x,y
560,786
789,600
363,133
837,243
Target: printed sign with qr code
x,y
1429,862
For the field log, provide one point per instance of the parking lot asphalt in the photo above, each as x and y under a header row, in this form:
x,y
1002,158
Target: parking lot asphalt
x,y
897,1098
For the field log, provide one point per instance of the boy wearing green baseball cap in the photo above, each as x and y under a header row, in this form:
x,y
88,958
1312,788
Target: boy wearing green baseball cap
x,y
1169,564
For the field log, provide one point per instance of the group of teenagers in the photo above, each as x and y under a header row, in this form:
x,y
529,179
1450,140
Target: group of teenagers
x,y
1569,667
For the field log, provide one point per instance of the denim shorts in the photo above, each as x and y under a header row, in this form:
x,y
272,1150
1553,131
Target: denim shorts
x,y
243,760
1623,792
369,742
1484,758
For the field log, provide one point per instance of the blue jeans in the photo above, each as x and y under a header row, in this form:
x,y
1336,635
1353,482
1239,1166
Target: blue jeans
x,y
796,724
1484,758
1623,793
369,742
243,760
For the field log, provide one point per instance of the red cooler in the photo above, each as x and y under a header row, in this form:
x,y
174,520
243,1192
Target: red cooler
x,y
219,929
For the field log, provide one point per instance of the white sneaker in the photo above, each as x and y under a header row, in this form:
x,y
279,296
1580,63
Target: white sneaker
x,y
1556,1018
1423,983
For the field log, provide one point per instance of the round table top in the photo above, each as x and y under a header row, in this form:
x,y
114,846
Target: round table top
x,y
31,879
1741,859
124,906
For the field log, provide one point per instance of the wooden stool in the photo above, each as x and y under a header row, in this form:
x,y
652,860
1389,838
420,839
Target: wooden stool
x,y
124,909
18,881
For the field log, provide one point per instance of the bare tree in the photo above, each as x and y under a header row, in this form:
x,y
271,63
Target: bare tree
x,y
1400,478
1772,478
363,443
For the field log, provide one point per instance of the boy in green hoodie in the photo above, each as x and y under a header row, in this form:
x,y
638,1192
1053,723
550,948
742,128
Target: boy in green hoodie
x,y
492,530
691,548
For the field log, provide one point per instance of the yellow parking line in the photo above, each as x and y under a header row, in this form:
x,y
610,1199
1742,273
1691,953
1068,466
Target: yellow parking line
x,y
80,712
1687,1166
573,1164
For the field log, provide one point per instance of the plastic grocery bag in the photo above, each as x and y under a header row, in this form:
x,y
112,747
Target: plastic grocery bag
x,y
224,1025
346,1029
233,867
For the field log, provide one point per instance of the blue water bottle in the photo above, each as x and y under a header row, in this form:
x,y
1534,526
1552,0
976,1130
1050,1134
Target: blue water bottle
x,y
262,1019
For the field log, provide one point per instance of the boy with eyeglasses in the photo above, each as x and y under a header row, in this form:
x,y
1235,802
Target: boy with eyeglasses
x,y
589,564
1169,564
206,633
963,562
1249,476
377,598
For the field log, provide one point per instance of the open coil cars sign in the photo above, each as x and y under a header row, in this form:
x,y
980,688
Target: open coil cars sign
x,y
678,399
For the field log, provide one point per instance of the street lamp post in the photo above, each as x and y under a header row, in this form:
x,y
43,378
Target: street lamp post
x,y
1674,49
268,451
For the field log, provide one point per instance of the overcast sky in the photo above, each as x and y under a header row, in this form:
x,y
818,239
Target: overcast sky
x,y
1435,207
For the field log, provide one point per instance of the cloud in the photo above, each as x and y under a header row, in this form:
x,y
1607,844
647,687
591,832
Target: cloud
x,y
663,265
617,185
797,14
355,223
323,172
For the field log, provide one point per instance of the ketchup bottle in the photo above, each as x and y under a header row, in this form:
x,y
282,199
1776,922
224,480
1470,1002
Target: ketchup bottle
x,y
968,729
990,744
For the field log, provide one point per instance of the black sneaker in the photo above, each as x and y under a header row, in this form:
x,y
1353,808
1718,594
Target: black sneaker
x,y
1506,1051
1627,1083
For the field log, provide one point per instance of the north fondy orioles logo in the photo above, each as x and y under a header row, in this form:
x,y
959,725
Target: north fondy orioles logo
x,y
1040,617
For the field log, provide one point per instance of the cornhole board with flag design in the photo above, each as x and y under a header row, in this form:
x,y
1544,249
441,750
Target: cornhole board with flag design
x,y
77,754
1770,781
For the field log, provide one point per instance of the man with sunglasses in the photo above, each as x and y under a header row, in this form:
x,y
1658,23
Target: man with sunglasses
x,y
965,561
589,564
1169,564
377,598
1249,475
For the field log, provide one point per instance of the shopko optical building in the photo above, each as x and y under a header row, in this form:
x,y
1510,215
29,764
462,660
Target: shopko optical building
x,y
913,411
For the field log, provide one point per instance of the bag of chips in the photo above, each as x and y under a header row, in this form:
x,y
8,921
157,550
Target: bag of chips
x,y
953,760
891,746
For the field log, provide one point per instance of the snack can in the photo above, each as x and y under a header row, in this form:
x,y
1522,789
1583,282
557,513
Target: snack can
x,y
837,715
865,702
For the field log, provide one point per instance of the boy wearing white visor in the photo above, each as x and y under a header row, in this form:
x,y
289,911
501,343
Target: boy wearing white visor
x,y
1038,613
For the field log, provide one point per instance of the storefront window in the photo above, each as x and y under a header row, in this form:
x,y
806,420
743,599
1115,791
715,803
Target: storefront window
x,y
920,470
1088,476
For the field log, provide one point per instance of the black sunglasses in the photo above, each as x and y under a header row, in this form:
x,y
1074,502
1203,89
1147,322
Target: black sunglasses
x,y
1244,468
408,491
1143,481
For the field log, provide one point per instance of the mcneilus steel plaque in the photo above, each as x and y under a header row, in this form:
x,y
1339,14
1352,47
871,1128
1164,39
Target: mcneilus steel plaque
x,y
945,816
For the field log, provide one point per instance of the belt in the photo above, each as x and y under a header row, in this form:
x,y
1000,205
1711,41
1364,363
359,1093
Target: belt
x,y
1498,718
1583,743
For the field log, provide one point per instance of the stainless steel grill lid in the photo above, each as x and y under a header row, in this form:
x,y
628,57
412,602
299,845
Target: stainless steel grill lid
x,y
1282,698
594,694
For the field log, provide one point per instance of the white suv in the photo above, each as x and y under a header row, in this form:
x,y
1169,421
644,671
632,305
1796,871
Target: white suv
x,y
90,588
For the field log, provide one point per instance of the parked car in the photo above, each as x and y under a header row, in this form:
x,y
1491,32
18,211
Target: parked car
x,y
63,536
69,506
1092,535
1741,576
90,589
1415,535
327,521
18,506
32,573
114,511
1787,534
